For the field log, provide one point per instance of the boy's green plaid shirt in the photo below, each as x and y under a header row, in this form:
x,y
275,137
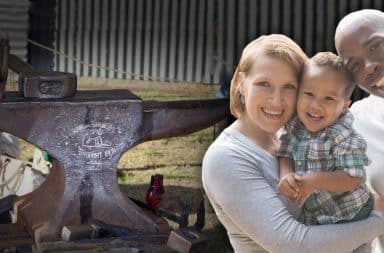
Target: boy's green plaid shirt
x,y
337,147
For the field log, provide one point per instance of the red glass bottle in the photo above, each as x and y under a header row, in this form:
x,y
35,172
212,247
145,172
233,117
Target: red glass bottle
x,y
155,191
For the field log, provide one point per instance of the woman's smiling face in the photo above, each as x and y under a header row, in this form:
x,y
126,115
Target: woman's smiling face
x,y
270,93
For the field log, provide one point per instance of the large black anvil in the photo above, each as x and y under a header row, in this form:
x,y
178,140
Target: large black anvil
x,y
87,134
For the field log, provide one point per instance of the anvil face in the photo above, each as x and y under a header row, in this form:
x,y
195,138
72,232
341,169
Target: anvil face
x,y
89,129
90,134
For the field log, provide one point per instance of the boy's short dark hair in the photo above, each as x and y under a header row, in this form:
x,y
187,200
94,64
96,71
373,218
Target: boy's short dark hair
x,y
329,59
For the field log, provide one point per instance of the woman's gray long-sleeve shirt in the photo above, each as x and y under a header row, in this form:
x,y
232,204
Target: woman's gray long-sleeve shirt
x,y
240,179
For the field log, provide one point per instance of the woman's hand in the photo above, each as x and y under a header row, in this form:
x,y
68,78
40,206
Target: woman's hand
x,y
288,186
378,203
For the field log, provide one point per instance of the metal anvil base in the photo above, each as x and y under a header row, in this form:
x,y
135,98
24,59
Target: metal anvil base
x,y
87,134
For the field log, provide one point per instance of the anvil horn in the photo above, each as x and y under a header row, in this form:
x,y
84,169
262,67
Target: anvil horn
x,y
177,118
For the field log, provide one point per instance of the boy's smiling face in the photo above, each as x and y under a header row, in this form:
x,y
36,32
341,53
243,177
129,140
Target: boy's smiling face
x,y
322,97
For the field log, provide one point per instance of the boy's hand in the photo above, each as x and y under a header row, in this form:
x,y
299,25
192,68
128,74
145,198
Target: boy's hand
x,y
305,190
288,186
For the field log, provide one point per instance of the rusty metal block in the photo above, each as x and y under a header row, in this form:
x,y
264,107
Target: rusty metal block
x,y
78,232
52,84
187,240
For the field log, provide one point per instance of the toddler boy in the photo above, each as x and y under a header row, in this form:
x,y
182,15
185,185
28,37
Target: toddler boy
x,y
322,157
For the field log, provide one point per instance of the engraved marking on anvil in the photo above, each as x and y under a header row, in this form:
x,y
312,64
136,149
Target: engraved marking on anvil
x,y
96,142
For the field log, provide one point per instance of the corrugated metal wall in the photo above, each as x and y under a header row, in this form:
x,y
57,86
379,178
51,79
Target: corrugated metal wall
x,y
165,39
187,40
14,24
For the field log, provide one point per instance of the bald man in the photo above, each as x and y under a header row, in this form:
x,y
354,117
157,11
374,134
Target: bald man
x,y
359,40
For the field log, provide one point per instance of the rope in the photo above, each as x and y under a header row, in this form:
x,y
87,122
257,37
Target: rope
x,y
75,59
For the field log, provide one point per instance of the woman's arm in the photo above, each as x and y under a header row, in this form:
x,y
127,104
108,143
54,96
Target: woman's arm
x,y
240,188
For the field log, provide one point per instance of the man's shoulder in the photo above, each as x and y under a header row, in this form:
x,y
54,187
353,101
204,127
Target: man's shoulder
x,y
367,105
368,113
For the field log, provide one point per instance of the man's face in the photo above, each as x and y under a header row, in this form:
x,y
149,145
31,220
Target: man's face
x,y
362,48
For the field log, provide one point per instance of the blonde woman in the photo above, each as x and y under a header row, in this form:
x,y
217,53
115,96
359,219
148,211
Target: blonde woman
x,y
240,170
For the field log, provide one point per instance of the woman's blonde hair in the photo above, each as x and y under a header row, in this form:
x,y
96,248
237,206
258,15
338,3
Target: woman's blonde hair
x,y
275,45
